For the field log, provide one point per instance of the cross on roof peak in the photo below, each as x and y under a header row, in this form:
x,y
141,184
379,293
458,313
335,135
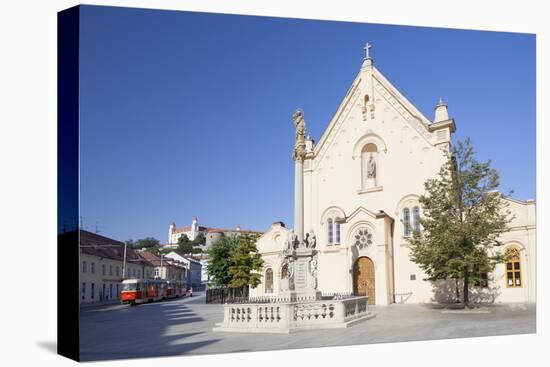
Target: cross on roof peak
x,y
367,48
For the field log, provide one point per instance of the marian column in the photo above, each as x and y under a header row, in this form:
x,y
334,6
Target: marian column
x,y
298,156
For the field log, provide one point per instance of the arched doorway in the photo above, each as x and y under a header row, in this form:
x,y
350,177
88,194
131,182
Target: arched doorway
x,y
363,278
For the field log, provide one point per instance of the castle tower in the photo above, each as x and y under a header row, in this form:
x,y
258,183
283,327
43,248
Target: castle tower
x,y
171,231
194,228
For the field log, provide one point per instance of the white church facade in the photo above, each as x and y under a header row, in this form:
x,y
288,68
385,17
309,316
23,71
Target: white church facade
x,y
361,183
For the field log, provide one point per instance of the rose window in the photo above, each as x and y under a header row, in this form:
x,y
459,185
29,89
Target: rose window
x,y
363,238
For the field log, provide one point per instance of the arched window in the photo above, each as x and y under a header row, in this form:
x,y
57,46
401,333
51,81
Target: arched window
x,y
269,280
406,222
513,267
416,219
330,230
337,233
369,165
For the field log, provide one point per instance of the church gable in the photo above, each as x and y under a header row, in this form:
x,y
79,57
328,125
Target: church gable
x,y
273,240
373,106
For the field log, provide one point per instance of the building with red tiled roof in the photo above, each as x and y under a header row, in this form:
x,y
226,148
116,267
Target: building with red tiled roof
x,y
211,234
165,267
102,267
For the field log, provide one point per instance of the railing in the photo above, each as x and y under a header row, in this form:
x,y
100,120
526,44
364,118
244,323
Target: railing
x,y
227,295
287,315
338,295
240,296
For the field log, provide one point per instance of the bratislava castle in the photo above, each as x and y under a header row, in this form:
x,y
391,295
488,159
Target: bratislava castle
x,y
358,200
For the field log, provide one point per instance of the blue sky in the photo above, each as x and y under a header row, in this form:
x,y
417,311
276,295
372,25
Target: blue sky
x,y
189,114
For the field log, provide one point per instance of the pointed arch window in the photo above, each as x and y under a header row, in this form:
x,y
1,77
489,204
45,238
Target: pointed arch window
x,y
406,222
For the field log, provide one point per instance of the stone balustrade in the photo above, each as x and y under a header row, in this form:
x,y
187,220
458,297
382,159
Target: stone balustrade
x,y
285,317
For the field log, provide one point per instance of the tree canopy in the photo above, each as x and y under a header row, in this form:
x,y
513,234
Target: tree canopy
x,y
186,246
219,260
245,263
463,215
146,242
235,262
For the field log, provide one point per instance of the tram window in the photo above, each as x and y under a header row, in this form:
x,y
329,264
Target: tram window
x,y
130,287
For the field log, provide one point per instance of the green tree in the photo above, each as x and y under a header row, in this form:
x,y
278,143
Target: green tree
x,y
146,242
219,260
185,246
463,215
200,240
246,263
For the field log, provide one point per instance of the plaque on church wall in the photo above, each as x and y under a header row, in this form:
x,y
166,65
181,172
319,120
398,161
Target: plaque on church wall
x,y
222,174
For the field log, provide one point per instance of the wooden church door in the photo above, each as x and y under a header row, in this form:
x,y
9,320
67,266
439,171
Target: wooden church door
x,y
363,279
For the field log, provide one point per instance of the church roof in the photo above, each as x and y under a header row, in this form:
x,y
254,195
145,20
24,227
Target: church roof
x,y
382,86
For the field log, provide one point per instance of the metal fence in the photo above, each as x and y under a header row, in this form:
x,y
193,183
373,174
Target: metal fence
x,y
240,295
226,295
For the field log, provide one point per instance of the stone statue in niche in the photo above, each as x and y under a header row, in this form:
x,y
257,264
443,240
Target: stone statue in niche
x,y
287,273
371,167
290,273
313,273
288,242
292,241
311,239
284,276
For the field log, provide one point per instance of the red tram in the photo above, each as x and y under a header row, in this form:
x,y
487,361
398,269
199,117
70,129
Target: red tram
x,y
135,291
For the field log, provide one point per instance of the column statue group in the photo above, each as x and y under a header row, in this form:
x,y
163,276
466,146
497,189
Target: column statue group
x,y
299,264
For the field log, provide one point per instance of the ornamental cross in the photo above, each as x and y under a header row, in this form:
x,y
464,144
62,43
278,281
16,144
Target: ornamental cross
x,y
367,49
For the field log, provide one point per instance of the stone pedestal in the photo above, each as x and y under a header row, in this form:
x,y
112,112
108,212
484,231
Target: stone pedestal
x,y
370,182
303,274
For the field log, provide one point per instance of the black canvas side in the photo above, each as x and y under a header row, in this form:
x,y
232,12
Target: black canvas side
x,y
68,33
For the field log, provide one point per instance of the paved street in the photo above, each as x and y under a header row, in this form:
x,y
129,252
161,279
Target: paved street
x,y
184,327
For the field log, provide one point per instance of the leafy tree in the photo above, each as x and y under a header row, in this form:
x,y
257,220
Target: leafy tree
x,y
146,242
246,263
185,246
200,240
463,215
219,260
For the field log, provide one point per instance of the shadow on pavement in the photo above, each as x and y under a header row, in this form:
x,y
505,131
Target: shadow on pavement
x,y
150,330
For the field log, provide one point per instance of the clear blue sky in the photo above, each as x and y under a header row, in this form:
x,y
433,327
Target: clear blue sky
x,y
189,114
